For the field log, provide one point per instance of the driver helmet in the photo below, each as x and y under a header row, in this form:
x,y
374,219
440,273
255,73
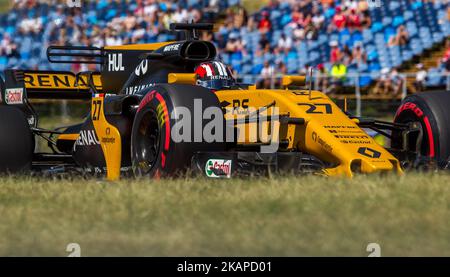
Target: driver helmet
x,y
214,75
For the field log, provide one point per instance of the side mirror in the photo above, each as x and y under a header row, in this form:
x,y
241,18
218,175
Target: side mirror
x,y
292,80
182,78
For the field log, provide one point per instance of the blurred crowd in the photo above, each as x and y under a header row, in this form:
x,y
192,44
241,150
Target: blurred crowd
x,y
30,26
336,37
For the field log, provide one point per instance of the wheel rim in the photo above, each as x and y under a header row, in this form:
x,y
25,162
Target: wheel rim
x,y
147,142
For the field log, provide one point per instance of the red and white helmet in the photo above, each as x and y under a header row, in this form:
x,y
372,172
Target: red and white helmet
x,y
214,75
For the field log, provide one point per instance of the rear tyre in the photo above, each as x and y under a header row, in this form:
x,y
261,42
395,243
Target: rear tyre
x,y
16,141
154,153
430,112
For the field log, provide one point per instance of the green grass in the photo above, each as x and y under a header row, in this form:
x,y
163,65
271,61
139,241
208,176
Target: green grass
x,y
253,6
282,216
5,5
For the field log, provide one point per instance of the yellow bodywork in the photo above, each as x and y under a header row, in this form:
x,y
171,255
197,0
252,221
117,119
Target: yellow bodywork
x,y
327,133
319,128
109,137
71,137
145,46
292,80
182,78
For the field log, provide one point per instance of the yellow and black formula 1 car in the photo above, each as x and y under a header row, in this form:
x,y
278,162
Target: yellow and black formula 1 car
x,y
164,108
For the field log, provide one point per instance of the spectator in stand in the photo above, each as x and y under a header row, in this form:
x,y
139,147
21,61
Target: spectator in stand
x,y
220,42
327,2
359,56
384,83
397,82
366,21
303,20
264,41
267,74
234,44
111,37
338,75
281,69
339,20
318,19
264,24
400,38
267,52
447,51
305,70
335,54
8,48
421,78
444,63
180,15
350,4
322,78
212,9
284,43
31,25
402,35
390,82
347,57
363,6
130,21
311,32
354,20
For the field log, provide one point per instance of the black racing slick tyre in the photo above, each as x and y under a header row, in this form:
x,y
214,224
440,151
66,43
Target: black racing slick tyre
x,y
154,152
430,111
16,141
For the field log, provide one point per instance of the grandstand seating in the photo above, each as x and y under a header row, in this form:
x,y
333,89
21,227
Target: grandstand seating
x,y
425,21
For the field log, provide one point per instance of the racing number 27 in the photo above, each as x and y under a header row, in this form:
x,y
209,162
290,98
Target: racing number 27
x,y
317,108
97,108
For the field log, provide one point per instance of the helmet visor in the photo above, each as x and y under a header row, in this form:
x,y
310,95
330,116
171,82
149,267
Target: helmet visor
x,y
216,84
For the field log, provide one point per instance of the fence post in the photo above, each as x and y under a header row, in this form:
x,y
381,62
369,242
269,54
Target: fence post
x,y
404,89
316,83
448,81
64,111
357,95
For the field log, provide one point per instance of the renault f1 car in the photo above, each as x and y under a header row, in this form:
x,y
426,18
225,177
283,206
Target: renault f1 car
x,y
143,91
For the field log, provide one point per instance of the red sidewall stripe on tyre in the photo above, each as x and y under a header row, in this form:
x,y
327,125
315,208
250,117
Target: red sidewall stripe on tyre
x,y
166,120
419,113
147,98
430,136
151,95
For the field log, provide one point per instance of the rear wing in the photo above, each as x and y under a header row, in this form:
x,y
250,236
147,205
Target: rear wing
x,y
75,54
21,85
51,84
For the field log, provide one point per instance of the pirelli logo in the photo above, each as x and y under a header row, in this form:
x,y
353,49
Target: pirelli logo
x,y
58,81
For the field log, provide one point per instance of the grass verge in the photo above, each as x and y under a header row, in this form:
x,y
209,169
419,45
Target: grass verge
x,y
283,216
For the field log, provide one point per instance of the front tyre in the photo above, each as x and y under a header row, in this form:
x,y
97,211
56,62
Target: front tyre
x,y
429,112
154,153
